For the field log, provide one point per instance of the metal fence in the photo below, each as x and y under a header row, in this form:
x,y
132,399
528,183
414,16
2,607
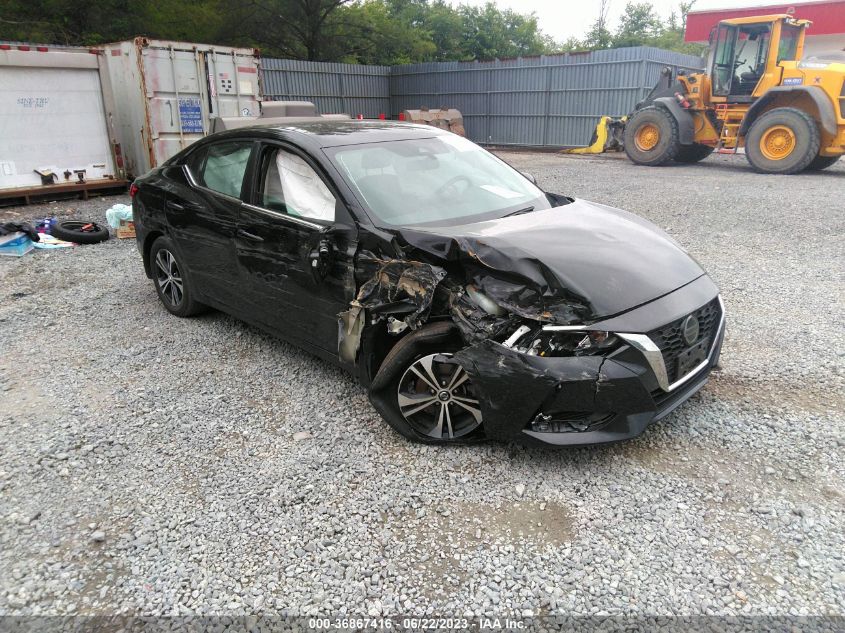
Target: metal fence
x,y
334,88
552,100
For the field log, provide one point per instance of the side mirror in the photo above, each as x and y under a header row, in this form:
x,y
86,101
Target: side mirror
x,y
320,259
530,177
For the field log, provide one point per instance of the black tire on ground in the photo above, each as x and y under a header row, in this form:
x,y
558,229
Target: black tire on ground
x,y
822,162
439,338
667,144
693,153
171,280
71,231
804,145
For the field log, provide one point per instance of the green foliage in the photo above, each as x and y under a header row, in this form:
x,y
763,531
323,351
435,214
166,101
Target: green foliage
x,y
639,25
355,31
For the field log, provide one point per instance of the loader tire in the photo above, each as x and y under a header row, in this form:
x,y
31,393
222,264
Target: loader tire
x,y
652,137
693,153
822,162
782,141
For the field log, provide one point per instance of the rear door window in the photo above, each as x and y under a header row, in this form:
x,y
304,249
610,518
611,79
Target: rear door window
x,y
221,167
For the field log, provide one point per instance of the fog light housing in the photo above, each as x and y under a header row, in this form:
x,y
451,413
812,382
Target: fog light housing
x,y
571,421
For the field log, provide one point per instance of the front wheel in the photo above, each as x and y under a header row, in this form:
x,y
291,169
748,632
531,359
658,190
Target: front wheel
x,y
437,399
423,394
782,141
651,137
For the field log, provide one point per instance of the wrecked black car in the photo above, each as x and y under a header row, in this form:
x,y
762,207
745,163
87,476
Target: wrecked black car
x,y
469,302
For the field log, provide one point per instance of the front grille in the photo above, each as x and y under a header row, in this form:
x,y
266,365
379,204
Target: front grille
x,y
671,342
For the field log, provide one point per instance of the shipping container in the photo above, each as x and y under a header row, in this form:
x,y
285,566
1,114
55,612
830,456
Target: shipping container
x,y
165,93
55,132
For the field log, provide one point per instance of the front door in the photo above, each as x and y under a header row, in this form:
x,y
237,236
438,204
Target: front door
x,y
203,216
739,60
293,212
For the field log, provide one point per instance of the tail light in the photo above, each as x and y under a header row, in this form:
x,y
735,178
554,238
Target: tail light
x,y
682,100
133,189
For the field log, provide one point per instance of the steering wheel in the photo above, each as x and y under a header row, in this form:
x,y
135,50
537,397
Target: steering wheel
x,y
450,189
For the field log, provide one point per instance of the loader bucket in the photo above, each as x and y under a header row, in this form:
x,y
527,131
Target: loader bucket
x,y
607,137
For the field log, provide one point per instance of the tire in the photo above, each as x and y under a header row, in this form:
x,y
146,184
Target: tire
x,y
651,137
782,141
72,231
693,153
171,280
397,391
822,162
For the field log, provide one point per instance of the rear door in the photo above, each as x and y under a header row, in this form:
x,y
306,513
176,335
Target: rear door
x,y
293,212
203,214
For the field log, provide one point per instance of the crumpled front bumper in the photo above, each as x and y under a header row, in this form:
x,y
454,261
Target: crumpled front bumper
x,y
570,401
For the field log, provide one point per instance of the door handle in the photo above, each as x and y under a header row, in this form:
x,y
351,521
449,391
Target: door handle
x,y
249,236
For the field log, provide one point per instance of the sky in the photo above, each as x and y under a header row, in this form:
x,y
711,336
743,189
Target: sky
x,y
563,19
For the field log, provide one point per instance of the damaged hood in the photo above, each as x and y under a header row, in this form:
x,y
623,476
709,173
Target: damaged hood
x,y
577,262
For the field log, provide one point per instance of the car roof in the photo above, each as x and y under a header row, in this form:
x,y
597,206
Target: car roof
x,y
336,132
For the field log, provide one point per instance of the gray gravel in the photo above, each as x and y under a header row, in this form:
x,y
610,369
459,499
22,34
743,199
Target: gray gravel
x,y
152,465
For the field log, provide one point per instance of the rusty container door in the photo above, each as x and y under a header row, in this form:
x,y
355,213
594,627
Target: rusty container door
x,y
168,91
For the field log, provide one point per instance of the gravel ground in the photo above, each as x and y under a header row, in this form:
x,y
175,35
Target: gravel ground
x,y
152,465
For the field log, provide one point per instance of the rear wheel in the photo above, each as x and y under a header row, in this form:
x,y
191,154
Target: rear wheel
x,y
693,153
782,141
171,281
822,162
651,137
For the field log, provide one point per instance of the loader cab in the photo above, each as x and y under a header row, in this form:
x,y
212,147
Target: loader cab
x,y
745,53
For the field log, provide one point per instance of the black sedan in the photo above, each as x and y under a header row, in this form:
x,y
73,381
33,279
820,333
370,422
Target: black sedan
x,y
468,301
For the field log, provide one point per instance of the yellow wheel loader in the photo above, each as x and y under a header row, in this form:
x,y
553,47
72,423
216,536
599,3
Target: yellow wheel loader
x,y
788,115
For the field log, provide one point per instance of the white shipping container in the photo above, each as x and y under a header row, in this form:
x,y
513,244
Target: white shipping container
x,y
165,93
54,104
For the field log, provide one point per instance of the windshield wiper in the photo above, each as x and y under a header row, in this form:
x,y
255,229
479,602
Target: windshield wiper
x,y
519,212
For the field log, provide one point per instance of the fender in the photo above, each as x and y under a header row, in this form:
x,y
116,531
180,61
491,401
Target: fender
x,y
826,112
686,129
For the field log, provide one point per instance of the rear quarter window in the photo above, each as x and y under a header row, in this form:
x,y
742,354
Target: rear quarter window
x,y
221,167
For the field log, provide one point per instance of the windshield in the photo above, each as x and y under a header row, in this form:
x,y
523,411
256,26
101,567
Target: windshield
x,y
444,179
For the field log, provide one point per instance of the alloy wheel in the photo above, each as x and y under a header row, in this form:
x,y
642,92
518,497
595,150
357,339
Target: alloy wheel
x,y
437,398
169,277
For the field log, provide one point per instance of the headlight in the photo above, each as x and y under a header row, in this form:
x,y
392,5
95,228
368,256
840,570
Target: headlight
x,y
553,341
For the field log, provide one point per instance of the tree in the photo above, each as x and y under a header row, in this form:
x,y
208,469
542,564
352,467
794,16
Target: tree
x,y
638,25
301,29
355,31
490,32
599,35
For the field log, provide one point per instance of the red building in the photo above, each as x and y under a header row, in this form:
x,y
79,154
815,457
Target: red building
x,y
827,32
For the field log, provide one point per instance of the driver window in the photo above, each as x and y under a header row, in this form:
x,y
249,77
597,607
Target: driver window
x,y
752,49
290,185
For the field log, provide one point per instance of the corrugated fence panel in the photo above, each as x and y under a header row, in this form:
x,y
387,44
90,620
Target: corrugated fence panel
x,y
553,100
334,88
